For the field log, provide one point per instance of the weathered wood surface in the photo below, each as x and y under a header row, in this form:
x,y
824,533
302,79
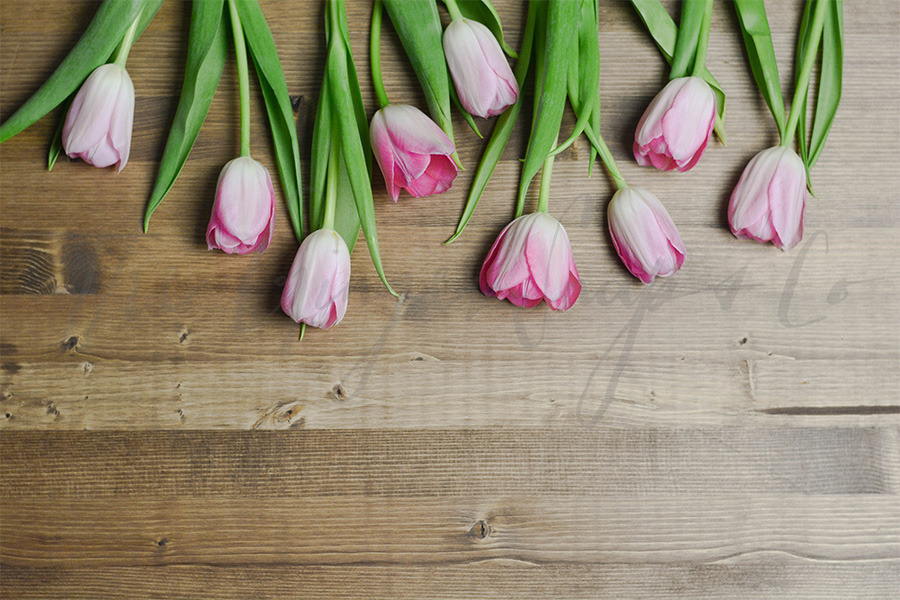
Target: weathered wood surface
x,y
732,432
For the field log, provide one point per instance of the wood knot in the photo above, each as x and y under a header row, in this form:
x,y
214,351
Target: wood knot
x,y
338,392
70,344
480,530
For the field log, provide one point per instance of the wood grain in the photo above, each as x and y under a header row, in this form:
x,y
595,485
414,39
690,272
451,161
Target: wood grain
x,y
732,432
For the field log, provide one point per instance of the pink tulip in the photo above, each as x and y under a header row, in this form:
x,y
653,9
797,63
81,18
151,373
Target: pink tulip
x,y
675,128
484,82
644,234
317,286
98,124
530,261
244,210
413,152
769,200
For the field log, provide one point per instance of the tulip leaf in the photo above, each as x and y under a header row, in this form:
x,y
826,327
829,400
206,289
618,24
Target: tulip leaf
x,y
554,46
278,107
484,12
830,79
692,12
353,149
418,26
665,34
761,54
94,48
502,129
207,50
56,144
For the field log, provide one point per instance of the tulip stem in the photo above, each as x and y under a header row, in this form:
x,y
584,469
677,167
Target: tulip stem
x,y
240,51
375,54
546,174
802,87
703,41
453,9
610,163
334,163
127,42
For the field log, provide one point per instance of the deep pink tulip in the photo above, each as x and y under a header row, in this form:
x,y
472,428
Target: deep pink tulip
x,y
675,128
243,213
769,201
413,152
484,82
98,124
319,280
530,261
644,234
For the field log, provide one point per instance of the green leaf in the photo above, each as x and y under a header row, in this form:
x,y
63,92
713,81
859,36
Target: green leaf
x,y
830,79
761,54
278,107
692,12
485,13
418,26
554,46
94,48
502,129
583,77
207,51
350,135
665,33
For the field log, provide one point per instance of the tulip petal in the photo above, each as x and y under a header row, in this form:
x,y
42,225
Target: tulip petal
x,y
786,212
411,131
88,119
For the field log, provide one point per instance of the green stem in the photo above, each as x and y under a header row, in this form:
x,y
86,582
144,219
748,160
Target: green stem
x,y
127,42
703,42
609,161
546,174
453,9
802,87
375,54
331,177
240,50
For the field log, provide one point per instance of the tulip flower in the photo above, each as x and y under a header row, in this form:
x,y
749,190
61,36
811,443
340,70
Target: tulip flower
x,y
316,289
484,82
244,210
413,152
769,200
644,234
98,125
676,127
530,261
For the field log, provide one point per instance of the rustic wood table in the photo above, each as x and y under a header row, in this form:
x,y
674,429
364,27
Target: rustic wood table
x,y
731,432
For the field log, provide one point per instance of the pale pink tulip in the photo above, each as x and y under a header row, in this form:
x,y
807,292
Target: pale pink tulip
x,y
675,128
243,213
644,234
530,261
413,152
484,82
319,280
769,201
98,125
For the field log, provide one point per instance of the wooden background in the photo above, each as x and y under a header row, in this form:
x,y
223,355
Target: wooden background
x,y
731,432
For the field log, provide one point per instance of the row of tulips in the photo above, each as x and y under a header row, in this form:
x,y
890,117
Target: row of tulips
x,y
531,260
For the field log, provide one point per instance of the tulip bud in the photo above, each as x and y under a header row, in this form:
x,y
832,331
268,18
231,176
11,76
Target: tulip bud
x,y
484,82
319,280
98,125
530,261
244,210
675,128
413,152
644,234
769,201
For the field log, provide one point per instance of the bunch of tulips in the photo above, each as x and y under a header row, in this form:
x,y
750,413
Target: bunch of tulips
x,y
465,64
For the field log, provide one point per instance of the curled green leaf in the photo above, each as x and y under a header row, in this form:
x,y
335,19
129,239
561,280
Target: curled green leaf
x,y
207,51
761,54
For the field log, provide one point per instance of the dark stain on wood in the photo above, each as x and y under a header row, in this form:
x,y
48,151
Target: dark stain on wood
x,y
831,410
80,266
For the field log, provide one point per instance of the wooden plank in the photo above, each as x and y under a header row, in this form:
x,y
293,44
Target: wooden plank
x,y
490,580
